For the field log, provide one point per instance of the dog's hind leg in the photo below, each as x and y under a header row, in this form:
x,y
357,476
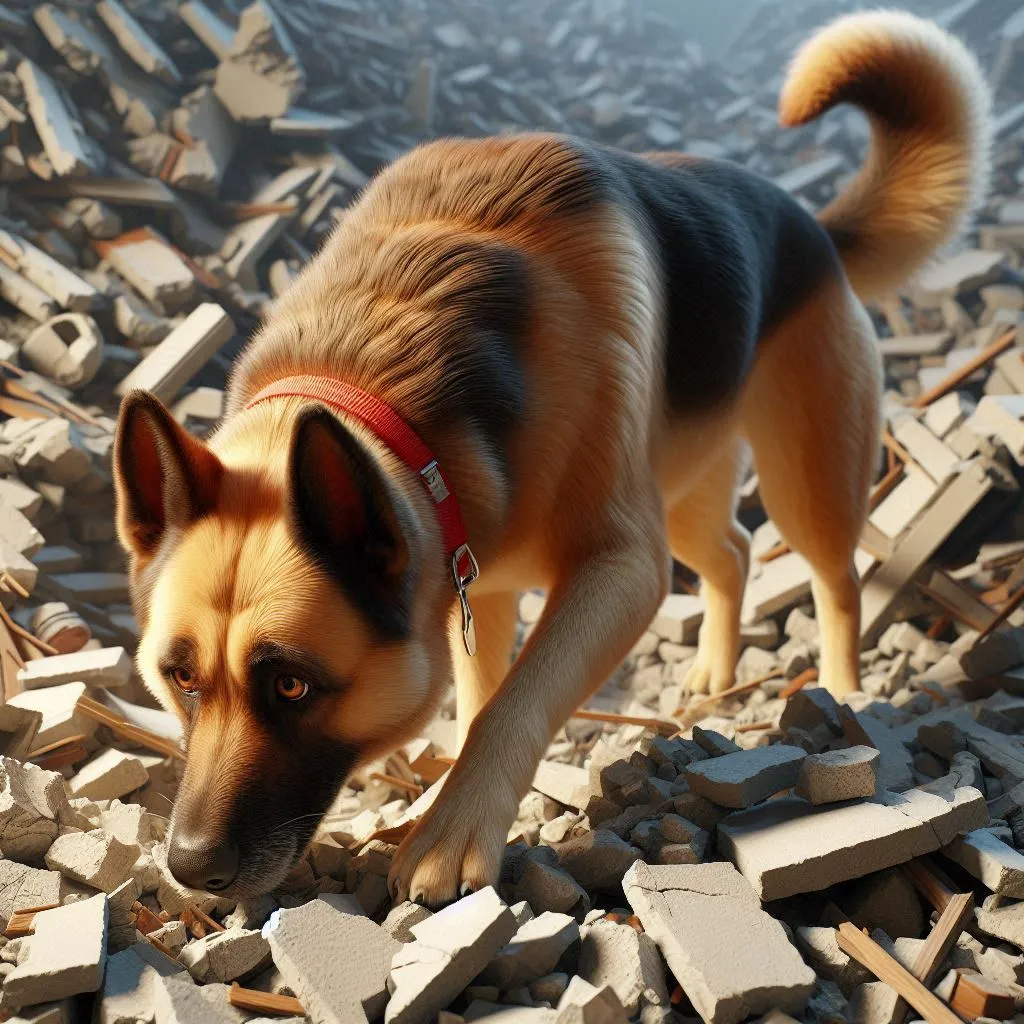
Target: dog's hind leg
x,y
704,534
478,678
812,416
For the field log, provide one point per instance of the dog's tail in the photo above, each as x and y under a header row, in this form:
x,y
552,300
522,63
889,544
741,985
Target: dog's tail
x,y
928,167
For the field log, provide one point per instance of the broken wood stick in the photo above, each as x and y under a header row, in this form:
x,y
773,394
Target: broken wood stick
x,y
958,376
412,788
686,710
977,996
116,723
22,922
809,675
869,954
940,941
656,724
1004,613
264,1002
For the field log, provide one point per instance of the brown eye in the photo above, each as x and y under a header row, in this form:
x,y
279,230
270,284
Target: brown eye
x,y
291,689
184,680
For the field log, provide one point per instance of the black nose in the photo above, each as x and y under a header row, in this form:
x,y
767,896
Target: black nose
x,y
200,863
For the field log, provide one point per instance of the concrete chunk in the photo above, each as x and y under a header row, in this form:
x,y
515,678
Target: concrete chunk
x,y
177,999
152,267
167,369
94,858
60,132
450,950
108,666
838,775
730,957
67,348
137,42
309,945
999,866
747,777
128,990
226,956
58,706
788,846
562,782
534,951
109,775
582,1003
32,802
22,887
65,957
597,860
618,956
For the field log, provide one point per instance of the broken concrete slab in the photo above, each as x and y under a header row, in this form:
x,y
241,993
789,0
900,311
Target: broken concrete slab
x,y
583,1003
184,351
66,956
788,846
533,951
137,42
746,777
227,956
32,805
627,961
837,775
103,667
94,858
597,860
730,957
309,942
127,993
999,866
23,887
450,950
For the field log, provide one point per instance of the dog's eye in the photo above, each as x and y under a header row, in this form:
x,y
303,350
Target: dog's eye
x,y
291,689
184,680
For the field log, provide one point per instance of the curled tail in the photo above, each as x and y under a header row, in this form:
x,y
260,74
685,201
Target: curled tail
x,y
928,166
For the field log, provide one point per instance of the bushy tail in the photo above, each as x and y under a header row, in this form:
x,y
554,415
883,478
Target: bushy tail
x,y
928,167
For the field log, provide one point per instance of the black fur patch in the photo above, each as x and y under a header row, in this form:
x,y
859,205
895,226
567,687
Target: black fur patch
x,y
738,255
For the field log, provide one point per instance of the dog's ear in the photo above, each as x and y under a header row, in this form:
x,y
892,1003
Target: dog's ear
x,y
163,476
351,519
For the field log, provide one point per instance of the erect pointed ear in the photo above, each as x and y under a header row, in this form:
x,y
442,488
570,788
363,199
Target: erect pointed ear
x,y
349,517
163,476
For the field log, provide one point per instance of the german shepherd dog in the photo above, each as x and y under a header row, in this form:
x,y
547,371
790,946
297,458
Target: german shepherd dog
x,y
551,356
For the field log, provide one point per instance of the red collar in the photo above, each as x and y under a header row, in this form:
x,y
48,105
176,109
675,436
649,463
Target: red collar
x,y
400,438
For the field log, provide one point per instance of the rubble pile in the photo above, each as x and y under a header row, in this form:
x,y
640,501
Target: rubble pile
x,y
767,852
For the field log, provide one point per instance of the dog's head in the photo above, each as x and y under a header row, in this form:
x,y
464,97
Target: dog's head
x,y
278,576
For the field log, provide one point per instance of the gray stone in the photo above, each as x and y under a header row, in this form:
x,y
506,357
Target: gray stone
x,y
748,777
837,775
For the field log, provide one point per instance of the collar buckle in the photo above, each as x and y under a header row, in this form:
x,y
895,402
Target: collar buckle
x,y
465,570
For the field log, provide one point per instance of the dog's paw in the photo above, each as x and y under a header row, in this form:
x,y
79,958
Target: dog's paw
x,y
702,678
452,851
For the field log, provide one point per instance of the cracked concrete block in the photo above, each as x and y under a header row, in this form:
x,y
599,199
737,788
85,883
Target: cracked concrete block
x,y
837,775
730,957
999,866
629,962
450,950
225,956
177,999
597,860
540,882
400,920
810,708
65,958
23,887
18,730
533,951
103,667
788,846
1002,921
820,947
583,1003
128,990
309,943
109,775
93,857
747,777
32,804
68,348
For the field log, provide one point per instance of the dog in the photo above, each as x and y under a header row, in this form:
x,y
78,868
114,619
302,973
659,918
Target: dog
x,y
524,362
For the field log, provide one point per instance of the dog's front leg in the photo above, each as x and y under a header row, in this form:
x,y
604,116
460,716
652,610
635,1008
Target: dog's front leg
x,y
590,622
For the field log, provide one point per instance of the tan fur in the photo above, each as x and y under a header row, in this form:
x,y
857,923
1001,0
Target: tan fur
x,y
927,171
601,483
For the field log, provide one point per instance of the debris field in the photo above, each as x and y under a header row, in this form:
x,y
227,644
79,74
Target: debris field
x,y
165,171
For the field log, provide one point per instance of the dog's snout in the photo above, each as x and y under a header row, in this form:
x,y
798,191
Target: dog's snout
x,y
201,862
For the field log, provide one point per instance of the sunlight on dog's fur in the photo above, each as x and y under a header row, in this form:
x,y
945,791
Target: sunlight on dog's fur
x,y
590,343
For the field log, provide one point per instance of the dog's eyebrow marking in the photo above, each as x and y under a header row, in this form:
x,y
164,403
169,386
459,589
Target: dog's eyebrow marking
x,y
295,661
179,652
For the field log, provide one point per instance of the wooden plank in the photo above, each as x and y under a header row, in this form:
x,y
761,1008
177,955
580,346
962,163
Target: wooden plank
x,y
869,954
977,996
959,375
264,1002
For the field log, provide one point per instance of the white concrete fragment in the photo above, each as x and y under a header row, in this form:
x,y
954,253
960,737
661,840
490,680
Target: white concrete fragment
x,y
838,775
32,804
188,348
617,955
787,846
94,858
730,957
128,991
58,707
534,951
309,943
747,776
999,866
450,950
226,956
67,348
137,42
104,667
152,267
111,774
66,955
